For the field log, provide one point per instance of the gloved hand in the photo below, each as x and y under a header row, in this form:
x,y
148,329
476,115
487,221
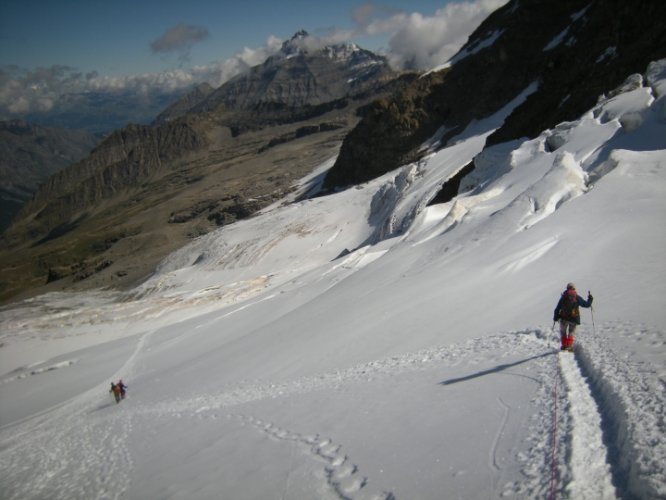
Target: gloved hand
x,y
589,297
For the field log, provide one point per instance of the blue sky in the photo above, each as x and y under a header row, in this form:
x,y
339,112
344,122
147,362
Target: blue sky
x,y
113,37
51,48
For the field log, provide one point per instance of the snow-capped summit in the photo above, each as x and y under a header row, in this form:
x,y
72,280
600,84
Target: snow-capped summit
x,y
305,72
296,44
304,44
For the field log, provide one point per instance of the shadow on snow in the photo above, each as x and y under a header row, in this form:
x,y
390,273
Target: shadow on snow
x,y
496,369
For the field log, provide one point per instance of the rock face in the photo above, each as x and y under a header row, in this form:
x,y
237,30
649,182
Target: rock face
x,y
123,159
211,158
30,154
299,83
299,76
575,50
184,104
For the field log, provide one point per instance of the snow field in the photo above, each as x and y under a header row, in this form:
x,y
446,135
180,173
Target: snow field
x,y
366,390
366,345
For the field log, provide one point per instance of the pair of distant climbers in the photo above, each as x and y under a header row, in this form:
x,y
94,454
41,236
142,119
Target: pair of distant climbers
x,y
567,312
118,390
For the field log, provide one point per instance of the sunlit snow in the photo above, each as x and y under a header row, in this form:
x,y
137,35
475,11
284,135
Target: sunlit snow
x,y
367,345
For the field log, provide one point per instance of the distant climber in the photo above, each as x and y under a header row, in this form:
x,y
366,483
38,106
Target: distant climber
x,y
123,388
115,389
567,312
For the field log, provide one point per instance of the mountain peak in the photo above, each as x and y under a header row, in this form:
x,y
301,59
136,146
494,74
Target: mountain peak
x,y
296,44
303,43
299,35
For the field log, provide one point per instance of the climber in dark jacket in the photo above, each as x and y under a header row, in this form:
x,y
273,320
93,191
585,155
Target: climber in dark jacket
x,y
115,390
567,312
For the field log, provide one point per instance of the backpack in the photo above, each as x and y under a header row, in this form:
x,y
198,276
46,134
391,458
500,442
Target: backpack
x,y
569,305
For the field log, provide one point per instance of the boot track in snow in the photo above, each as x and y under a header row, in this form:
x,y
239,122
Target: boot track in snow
x,y
598,412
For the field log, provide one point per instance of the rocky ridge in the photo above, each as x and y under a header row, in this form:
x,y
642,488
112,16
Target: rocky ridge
x,y
30,154
184,104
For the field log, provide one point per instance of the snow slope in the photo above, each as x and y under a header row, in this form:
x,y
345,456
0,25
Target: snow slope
x,y
366,345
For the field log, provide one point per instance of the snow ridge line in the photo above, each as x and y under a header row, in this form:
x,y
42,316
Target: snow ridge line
x,y
632,405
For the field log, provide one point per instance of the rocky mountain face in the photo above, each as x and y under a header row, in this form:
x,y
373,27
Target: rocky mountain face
x,y
184,104
211,158
29,155
298,83
126,157
575,50
296,78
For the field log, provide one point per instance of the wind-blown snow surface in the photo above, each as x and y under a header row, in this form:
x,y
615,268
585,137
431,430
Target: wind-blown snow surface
x,y
365,345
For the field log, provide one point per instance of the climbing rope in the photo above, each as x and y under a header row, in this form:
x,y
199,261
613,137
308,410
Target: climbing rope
x,y
553,432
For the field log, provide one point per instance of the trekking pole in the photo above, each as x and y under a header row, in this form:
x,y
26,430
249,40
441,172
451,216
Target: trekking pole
x,y
594,329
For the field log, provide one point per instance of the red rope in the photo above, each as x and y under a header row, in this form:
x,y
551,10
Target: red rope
x,y
553,436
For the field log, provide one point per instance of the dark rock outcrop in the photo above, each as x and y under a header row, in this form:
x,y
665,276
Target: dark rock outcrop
x,y
30,154
603,44
574,49
125,158
184,104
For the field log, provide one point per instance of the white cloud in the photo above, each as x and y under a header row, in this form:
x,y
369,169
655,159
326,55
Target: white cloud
x,y
220,72
368,13
42,90
423,42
